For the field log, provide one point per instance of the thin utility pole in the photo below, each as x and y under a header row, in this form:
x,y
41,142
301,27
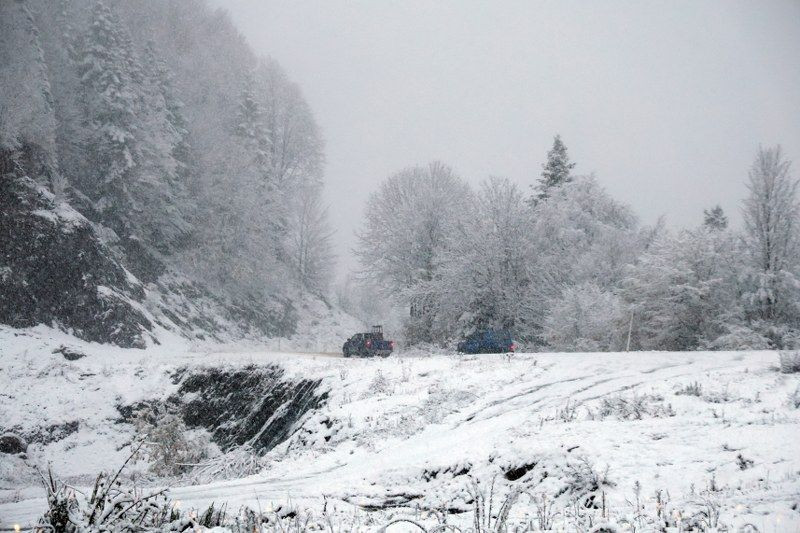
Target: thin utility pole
x,y
630,328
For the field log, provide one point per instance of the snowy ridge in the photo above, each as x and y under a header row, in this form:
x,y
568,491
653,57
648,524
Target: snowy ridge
x,y
411,431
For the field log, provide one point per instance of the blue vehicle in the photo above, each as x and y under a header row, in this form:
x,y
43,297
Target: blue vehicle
x,y
488,341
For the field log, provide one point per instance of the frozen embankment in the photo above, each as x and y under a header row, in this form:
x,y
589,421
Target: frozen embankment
x,y
695,430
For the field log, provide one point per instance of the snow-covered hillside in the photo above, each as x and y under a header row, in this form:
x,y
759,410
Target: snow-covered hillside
x,y
587,431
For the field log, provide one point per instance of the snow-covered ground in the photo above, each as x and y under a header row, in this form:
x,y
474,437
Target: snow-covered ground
x,y
707,429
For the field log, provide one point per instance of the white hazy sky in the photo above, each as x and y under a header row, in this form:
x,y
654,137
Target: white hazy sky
x,y
666,102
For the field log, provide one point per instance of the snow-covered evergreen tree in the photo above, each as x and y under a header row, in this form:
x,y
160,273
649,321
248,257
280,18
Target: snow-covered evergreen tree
x,y
145,102
110,101
555,172
131,133
715,218
27,123
160,188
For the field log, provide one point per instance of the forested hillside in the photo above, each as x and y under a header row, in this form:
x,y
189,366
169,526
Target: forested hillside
x,y
566,267
188,163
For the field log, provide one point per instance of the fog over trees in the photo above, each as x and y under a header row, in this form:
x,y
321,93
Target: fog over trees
x,y
568,268
157,122
189,153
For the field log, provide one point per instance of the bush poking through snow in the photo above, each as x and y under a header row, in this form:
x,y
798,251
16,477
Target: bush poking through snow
x,y
492,507
171,448
636,407
484,518
239,462
111,507
692,389
790,361
794,398
585,483
743,462
379,385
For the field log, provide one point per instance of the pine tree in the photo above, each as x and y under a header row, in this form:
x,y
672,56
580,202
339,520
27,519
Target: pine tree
x,y
110,101
556,171
250,130
162,79
269,200
161,188
715,218
62,57
27,121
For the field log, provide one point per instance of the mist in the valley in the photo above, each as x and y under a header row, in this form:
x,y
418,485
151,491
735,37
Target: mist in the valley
x,y
666,104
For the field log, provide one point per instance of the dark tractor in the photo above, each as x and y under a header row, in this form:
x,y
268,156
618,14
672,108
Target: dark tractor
x,y
369,344
488,341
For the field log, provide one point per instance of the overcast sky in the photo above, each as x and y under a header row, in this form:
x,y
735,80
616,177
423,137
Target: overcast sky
x,y
666,102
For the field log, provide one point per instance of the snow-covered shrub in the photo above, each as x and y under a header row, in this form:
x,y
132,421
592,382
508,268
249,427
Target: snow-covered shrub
x,y
790,361
239,462
720,396
738,337
380,384
636,407
692,389
441,401
585,482
567,413
170,446
114,507
794,398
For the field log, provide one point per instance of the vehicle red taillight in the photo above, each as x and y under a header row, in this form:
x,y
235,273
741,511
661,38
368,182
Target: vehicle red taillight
x,y
369,344
391,344
513,346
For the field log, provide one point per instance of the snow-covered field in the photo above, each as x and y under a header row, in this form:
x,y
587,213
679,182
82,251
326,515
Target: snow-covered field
x,y
616,433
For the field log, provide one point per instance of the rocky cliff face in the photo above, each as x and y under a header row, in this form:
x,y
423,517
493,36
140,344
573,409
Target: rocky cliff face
x,y
254,405
55,270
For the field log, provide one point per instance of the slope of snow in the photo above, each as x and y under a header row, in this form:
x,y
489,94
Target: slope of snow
x,y
704,428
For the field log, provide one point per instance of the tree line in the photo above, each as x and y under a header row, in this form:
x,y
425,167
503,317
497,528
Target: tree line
x,y
565,267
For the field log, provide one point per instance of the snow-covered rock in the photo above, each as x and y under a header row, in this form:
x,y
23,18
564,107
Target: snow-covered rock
x,y
55,270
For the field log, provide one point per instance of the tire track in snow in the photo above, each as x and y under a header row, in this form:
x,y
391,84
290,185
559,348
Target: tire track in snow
x,y
658,369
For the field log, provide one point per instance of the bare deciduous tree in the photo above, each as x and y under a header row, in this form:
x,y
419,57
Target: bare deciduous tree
x,y
406,227
309,244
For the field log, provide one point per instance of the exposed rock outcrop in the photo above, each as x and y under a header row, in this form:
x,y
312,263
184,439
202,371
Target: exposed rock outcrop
x,y
258,406
11,443
54,269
